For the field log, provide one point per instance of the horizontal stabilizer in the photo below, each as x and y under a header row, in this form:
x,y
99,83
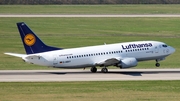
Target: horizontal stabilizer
x,y
16,54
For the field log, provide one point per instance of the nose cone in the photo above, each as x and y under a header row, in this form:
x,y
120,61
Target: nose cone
x,y
172,50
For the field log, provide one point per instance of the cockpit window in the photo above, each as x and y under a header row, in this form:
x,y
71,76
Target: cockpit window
x,y
164,45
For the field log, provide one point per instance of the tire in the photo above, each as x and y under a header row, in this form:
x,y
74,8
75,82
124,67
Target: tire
x,y
104,70
157,64
93,69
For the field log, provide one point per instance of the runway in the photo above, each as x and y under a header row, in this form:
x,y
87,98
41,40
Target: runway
x,y
89,15
85,75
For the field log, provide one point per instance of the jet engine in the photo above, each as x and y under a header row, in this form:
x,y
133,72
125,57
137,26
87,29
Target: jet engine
x,y
127,63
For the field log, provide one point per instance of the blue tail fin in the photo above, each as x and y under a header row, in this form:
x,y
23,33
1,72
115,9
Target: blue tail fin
x,y
32,43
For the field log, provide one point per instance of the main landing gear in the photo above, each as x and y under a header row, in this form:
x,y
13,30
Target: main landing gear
x,y
103,70
93,69
157,64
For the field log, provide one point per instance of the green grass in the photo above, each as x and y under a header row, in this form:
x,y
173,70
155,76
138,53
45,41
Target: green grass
x,y
91,91
78,32
90,9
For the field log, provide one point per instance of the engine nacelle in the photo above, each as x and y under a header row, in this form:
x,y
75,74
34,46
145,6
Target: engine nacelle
x,y
127,63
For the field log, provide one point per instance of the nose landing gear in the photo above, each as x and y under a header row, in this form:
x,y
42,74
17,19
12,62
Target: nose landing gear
x,y
157,64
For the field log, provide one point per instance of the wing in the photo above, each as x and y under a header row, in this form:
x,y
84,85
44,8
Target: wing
x,y
108,62
16,54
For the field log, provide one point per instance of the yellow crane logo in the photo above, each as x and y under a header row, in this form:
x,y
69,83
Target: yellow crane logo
x,y
29,39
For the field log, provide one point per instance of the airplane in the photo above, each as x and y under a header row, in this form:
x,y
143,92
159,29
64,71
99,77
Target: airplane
x,y
123,55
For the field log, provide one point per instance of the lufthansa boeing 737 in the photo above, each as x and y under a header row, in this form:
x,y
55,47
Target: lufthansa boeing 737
x,y
122,55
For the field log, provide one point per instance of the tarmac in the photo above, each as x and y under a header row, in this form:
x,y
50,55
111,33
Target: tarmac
x,y
62,75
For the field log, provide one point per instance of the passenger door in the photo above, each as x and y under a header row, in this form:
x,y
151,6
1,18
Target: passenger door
x,y
156,49
55,61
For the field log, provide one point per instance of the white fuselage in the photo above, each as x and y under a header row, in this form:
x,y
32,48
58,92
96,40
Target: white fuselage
x,y
90,56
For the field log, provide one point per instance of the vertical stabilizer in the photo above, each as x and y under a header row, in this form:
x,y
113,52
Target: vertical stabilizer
x,y
32,43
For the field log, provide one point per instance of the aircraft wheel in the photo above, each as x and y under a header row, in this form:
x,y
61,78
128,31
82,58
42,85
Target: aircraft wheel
x,y
104,70
93,69
157,64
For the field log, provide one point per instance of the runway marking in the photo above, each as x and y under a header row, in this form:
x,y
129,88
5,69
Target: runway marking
x,y
86,75
89,15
